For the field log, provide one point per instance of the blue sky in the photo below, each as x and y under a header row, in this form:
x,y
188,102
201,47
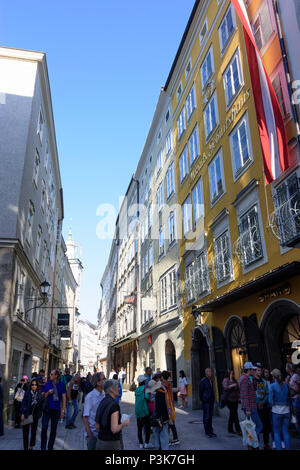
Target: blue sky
x,y
107,61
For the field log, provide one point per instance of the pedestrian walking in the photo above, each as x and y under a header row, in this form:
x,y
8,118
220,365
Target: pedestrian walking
x,y
289,372
148,374
20,391
1,409
115,377
268,377
165,375
112,373
41,379
108,419
279,400
294,386
72,401
160,416
91,403
31,410
142,412
122,375
262,402
54,407
182,389
248,397
231,394
207,396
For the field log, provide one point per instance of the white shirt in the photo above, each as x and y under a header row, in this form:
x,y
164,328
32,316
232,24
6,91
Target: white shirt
x,y
91,403
112,374
280,409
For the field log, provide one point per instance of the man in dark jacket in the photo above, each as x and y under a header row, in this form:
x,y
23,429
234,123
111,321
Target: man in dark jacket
x,y
207,396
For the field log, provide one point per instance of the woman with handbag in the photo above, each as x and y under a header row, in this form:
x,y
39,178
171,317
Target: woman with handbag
x,y
31,411
230,397
20,391
161,417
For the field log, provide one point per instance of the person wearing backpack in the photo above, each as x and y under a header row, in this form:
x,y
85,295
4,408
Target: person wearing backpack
x,y
20,391
142,412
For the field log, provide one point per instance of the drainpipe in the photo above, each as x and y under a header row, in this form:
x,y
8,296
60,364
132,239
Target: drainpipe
x,y
287,69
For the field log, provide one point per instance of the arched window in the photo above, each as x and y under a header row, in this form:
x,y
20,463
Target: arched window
x,y
291,333
238,346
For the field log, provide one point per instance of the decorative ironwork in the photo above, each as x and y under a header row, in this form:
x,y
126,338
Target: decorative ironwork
x,y
248,248
287,217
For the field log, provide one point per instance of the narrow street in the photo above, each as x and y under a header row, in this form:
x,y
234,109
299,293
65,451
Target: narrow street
x,y
188,423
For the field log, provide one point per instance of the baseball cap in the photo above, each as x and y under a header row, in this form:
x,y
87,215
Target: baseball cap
x,y
141,379
249,365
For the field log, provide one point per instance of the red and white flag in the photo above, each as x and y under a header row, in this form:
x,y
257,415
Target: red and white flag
x,y
269,116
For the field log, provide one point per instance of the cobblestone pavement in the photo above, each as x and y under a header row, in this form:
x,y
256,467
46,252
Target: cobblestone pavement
x,y
188,423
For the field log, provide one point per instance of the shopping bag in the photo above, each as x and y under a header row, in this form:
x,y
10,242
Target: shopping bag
x,y
28,420
249,433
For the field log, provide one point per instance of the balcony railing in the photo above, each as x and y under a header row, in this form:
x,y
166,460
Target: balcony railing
x,y
287,216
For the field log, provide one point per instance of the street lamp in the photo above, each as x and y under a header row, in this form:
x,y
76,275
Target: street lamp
x,y
45,288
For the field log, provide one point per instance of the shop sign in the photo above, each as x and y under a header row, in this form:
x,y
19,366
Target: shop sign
x,y
129,299
63,319
271,294
150,339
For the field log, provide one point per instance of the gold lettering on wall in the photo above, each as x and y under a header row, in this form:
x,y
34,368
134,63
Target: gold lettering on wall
x,y
271,294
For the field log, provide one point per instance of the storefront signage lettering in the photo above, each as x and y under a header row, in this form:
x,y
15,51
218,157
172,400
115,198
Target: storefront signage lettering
x,y
220,133
270,294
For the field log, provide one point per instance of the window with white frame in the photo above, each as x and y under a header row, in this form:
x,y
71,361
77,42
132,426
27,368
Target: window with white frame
x,y
250,239
36,166
207,67
202,276
227,27
172,227
262,26
150,216
203,32
168,290
150,255
198,207
169,142
160,197
183,164
40,126
161,241
29,223
45,257
159,162
187,215
44,196
222,257
163,294
181,123
232,78
216,178
211,117
280,86
189,282
179,90
194,145
170,180
188,68
190,102
38,244
240,145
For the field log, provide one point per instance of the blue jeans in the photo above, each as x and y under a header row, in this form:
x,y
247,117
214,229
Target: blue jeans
x,y
52,415
281,426
296,409
256,419
207,417
161,437
74,403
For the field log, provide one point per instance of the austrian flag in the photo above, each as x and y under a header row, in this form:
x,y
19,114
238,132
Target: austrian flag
x,y
269,117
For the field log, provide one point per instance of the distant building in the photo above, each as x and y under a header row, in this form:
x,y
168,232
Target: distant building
x,y
87,346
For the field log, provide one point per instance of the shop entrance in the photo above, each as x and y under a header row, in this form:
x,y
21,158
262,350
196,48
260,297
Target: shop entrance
x,y
238,346
171,363
280,326
200,361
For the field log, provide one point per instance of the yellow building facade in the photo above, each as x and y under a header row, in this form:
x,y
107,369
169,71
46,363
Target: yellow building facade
x,y
239,264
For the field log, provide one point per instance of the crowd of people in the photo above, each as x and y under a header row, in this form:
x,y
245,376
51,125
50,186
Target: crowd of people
x,y
271,402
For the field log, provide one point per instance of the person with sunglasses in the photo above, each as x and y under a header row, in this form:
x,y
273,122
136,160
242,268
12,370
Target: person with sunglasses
x,y
20,391
31,405
54,408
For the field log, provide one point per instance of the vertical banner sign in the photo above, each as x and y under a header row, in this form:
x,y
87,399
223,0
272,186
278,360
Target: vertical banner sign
x,y
269,117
